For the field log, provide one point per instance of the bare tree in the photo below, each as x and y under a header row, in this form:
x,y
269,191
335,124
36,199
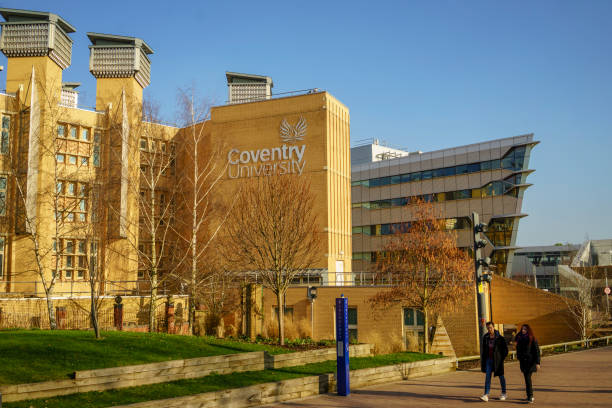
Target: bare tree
x,y
47,188
425,268
272,231
579,300
201,213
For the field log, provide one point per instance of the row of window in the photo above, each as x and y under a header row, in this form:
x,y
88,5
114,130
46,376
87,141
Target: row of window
x,y
514,160
151,145
75,260
70,188
74,160
401,227
72,132
492,189
81,134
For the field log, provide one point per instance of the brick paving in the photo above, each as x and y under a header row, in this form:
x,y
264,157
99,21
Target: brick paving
x,y
579,379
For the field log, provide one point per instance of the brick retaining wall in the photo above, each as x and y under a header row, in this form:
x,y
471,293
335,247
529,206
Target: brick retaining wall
x,y
143,374
135,375
301,387
315,356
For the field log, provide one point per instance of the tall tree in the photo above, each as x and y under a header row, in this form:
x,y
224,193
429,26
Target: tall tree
x,y
198,208
579,301
150,236
48,180
423,266
272,231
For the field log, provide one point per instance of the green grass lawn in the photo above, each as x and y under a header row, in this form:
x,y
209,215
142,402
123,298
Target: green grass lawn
x,y
209,383
41,355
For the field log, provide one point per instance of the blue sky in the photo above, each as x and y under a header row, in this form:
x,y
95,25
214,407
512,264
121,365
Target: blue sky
x,y
422,75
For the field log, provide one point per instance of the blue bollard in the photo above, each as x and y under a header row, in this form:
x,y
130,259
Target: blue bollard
x,y
342,346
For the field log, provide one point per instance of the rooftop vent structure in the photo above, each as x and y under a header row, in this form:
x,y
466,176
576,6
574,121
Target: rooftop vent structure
x,y
36,34
248,88
70,97
117,56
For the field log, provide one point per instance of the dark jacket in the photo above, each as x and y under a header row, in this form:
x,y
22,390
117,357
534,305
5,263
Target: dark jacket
x,y
500,351
527,354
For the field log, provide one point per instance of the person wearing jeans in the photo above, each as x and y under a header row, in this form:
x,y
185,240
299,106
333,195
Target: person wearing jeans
x,y
528,354
493,352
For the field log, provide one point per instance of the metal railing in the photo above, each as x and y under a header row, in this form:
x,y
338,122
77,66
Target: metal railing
x,y
584,343
79,288
274,96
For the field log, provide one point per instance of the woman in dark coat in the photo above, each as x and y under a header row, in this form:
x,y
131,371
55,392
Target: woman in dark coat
x,y
493,351
528,354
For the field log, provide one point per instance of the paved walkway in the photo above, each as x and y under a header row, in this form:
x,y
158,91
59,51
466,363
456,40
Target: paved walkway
x,y
580,379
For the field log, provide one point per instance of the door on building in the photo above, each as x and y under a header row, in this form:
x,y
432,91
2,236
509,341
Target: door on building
x,y
339,273
414,333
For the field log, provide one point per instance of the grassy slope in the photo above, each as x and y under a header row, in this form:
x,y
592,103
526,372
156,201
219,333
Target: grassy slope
x,y
37,355
209,383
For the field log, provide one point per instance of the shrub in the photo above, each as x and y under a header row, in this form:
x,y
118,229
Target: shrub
x,y
386,344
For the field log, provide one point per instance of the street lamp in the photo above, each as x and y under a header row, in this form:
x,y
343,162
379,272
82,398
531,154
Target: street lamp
x,y
607,289
312,295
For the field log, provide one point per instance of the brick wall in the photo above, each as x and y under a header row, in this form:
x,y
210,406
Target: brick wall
x,y
374,324
517,303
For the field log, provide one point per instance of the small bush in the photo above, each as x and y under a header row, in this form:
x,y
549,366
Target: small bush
x,y
386,344
299,330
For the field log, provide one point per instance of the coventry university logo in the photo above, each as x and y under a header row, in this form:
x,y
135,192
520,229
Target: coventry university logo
x,y
291,134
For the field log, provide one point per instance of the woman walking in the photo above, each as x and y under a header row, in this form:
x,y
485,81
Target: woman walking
x,y
528,354
493,351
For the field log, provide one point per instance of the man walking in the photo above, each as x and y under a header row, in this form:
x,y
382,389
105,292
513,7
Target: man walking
x,y
493,351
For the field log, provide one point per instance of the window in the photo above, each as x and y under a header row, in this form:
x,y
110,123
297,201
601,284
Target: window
x,y
60,158
439,172
73,132
61,130
96,155
84,161
74,258
2,195
462,169
96,149
6,127
414,333
352,324
71,188
1,257
143,144
70,217
473,167
72,159
85,134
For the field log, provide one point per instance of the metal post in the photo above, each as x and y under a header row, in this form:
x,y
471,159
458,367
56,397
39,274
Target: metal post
x,y
607,296
480,295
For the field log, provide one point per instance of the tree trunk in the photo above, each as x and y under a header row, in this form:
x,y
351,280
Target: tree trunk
x,y
94,312
424,310
426,331
153,302
194,269
281,318
51,310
